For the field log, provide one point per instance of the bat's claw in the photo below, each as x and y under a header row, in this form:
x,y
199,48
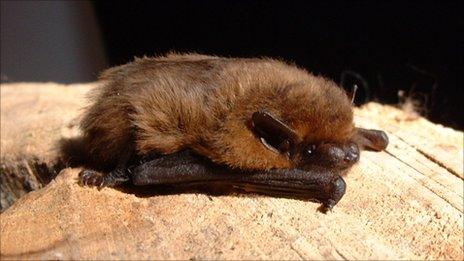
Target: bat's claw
x,y
327,207
337,192
90,178
100,180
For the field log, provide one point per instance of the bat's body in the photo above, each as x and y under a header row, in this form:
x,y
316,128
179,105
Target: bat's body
x,y
259,122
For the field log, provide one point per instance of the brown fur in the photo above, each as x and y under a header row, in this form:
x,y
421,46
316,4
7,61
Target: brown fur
x,y
205,103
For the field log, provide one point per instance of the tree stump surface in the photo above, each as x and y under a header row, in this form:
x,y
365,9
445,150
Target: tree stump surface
x,y
404,203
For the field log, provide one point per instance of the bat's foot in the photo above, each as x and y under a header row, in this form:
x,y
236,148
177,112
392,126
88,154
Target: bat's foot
x,y
337,191
90,178
98,179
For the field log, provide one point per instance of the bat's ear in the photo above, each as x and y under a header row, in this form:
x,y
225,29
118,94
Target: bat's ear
x,y
274,134
374,140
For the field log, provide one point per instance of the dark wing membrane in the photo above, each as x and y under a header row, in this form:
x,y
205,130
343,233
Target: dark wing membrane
x,y
186,168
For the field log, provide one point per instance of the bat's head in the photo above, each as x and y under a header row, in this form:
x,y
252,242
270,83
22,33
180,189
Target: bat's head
x,y
304,125
306,153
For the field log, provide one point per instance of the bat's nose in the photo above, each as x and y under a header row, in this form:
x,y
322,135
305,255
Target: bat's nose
x,y
351,154
335,155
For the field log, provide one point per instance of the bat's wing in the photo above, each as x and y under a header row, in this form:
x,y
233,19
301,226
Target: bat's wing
x,y
186,168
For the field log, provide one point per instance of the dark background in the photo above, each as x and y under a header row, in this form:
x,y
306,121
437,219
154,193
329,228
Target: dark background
x,y
382,46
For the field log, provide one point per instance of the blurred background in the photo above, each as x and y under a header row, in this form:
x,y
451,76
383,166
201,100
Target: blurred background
x,y
387,48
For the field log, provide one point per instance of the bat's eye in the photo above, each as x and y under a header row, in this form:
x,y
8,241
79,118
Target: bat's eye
x,y
310,150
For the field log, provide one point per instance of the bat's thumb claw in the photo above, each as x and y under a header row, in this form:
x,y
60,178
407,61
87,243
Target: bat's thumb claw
x,y
337,192
327,206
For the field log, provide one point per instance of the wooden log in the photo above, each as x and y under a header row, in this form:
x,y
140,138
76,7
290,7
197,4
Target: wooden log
x,y
34,116
405,203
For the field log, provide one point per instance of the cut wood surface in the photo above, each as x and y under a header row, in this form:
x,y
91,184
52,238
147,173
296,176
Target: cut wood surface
x,y
405,203
33,117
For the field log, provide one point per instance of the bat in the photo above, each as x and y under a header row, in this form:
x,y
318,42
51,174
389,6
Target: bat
x,y
256,124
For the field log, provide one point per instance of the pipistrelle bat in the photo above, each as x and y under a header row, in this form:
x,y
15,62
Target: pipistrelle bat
x,y
258,124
